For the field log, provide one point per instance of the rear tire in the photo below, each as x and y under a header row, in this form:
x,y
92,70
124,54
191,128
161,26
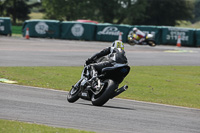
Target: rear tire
x,y
72,96
105,94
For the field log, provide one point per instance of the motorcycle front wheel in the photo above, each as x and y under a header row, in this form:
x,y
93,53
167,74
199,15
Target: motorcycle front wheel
x,y
72,96
131,43
151,43
108,89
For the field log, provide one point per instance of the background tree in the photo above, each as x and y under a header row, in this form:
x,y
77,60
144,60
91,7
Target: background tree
x,y
146,12
132,11
196,11
119,11
167,12
114,11
1,8
67,9
16,9
105,11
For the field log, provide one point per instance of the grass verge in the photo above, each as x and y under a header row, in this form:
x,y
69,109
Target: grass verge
x,y
36,15
7,126
174,85
17,30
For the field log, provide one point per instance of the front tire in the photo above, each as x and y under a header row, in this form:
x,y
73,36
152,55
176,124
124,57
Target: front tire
x,y
72,96
101,98
151,43
131,43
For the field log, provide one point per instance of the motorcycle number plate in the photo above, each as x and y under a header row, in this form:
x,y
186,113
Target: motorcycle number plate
x,y
84,94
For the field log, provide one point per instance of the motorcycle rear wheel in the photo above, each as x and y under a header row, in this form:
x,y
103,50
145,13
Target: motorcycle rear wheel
x,y
105,94
72,96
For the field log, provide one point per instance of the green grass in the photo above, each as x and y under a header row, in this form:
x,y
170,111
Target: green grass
x,y
16,29
7,126
174,85
58,78
36,15
188,24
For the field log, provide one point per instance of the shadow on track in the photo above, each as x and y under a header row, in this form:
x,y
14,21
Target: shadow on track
x,y
106,106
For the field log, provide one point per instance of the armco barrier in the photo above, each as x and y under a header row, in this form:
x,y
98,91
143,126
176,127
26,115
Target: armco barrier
x,y
110,33
42,28
170,36
77,31
155,31
5,26
197,38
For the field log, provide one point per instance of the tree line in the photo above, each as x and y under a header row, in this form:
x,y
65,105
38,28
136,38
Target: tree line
x,y
133,12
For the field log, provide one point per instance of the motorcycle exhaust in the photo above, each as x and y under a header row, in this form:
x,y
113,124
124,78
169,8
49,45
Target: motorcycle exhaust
x,y
119,91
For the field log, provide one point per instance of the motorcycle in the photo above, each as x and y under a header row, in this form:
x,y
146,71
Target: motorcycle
x,y
148,40
102,88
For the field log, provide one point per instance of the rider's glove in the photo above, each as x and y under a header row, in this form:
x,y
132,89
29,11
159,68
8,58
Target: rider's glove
x,y
88,61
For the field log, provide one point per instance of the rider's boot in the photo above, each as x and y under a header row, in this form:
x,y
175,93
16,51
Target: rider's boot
x,y
141,40
94,75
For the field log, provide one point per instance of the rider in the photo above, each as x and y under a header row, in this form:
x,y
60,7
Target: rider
x,y
116,54
139,36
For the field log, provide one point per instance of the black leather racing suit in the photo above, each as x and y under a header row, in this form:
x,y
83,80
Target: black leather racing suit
x,y
115,55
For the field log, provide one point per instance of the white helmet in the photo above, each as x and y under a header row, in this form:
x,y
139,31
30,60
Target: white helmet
x,y
118,44
135,29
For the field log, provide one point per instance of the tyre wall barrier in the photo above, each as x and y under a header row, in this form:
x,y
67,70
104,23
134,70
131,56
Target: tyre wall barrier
x,y
170,36
110,33
197,38
78,31
42,28
5,26
74,30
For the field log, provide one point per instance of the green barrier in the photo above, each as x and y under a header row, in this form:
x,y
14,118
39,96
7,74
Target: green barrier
x,y
77,31
109,32
42,28
155,31
197,38
5,26
170,36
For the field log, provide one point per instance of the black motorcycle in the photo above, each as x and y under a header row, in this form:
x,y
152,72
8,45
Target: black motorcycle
x,y
101,88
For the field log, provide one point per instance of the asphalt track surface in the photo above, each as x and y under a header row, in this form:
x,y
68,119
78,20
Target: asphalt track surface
x,y
50,107
51,52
